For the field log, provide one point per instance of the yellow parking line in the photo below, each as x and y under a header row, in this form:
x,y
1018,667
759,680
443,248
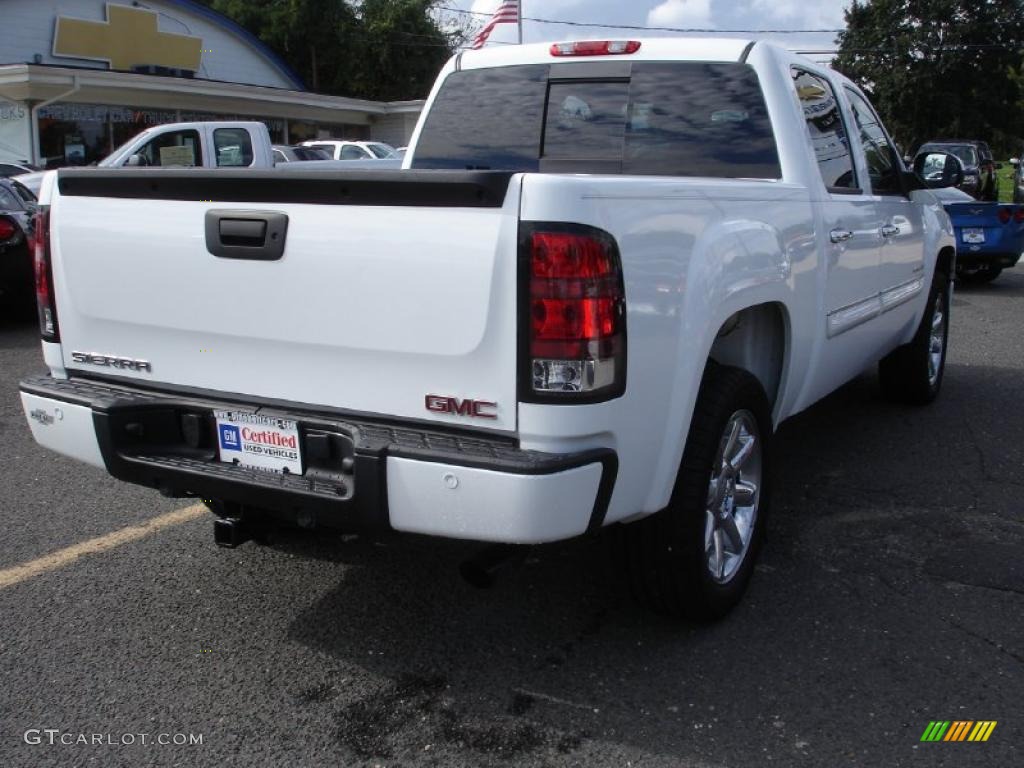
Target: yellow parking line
x,y
62,557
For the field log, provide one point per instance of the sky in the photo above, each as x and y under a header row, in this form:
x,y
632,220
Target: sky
x,y
721,15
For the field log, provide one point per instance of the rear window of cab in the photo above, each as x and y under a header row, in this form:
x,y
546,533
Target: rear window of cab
x,y
658,119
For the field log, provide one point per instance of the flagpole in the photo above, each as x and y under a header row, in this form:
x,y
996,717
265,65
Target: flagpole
x,y
520,16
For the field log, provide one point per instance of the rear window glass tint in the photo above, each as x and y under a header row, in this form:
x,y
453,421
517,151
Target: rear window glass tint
x,y
683,119
586,120
699,120
487,119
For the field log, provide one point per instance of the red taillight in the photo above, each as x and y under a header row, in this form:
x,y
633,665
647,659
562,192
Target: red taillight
x,y
576,345
8,228
1004,215
595,48
1018,215
46,301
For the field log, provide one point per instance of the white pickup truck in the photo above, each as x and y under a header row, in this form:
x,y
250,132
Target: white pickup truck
x,y
239,144
608,272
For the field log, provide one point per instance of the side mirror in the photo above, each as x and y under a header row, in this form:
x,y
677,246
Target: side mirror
x,y
938,170
1014,161
135,160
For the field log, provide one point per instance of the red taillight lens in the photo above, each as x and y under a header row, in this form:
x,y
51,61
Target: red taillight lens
x,y
595,48
1018,216
8,228
1004,215
576,345
46,301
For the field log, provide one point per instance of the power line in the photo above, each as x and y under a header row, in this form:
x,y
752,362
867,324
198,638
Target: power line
x,y
642,28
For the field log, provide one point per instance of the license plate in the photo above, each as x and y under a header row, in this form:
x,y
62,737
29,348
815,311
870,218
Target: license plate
x,y
974,235
259,442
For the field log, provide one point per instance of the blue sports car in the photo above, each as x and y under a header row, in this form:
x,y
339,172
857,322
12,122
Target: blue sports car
x,y
989,236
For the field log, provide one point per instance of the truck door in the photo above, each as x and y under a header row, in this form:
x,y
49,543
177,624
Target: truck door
x,y
850,229
901,264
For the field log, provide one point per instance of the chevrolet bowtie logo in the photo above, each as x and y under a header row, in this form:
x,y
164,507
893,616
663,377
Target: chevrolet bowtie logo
x,y
128,38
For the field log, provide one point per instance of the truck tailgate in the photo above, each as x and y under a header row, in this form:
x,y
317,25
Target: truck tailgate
x,y
392,286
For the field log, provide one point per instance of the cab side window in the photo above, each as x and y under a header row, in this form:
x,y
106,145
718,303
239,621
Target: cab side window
x,y
352,152
232,147
175,148
328,148
883,165
826,131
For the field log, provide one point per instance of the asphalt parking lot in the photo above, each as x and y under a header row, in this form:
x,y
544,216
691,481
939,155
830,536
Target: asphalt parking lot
x,y
890,594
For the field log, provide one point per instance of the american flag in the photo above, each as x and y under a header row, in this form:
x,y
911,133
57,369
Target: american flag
x,y
507,13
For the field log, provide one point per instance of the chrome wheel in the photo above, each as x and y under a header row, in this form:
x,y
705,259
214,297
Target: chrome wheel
x,y
733,497
937,341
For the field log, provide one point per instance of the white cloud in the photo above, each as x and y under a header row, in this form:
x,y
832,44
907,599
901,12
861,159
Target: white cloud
x,y
799,14
681,13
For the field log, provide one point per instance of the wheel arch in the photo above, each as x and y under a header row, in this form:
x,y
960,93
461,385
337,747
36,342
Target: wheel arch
x,y
945,262
757,339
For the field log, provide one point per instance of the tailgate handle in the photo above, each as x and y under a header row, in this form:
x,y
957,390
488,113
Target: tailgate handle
x,y
253,235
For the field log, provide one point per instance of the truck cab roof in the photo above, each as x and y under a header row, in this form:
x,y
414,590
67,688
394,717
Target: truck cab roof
x,y
650,49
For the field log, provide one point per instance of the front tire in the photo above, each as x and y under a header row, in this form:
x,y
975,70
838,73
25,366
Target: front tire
x,y
694,558
913,372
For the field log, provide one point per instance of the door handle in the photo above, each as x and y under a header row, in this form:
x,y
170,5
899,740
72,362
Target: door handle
x,y
253,235
890,230
840,235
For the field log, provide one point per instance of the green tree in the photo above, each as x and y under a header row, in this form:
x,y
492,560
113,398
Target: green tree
x,y
402,48
939,68
373,49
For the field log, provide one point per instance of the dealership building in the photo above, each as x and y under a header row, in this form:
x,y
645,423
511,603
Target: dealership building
x,y
80,77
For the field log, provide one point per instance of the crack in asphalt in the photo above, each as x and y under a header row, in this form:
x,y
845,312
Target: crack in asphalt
x,y
983,461
912,605
1011,590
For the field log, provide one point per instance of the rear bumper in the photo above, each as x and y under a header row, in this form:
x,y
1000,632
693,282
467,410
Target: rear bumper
x,y
984,259
361,475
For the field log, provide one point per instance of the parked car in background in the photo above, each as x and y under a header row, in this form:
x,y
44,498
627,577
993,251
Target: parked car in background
x,y
31,181
1018,178
17,206
353,150
244,144
989,236
980,178
15,169
238,144
287,154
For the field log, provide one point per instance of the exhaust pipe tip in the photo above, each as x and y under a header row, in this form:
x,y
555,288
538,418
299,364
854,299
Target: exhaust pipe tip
x,y
482,570
477,576
230,532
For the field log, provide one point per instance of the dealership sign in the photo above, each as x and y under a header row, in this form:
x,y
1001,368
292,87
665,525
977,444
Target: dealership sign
x,y
130,37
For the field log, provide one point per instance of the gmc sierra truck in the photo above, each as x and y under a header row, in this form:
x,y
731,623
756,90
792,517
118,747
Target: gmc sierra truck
x,y
608,271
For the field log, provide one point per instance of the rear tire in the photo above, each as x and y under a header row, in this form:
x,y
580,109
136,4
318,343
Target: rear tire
x,y
913,373
694,558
